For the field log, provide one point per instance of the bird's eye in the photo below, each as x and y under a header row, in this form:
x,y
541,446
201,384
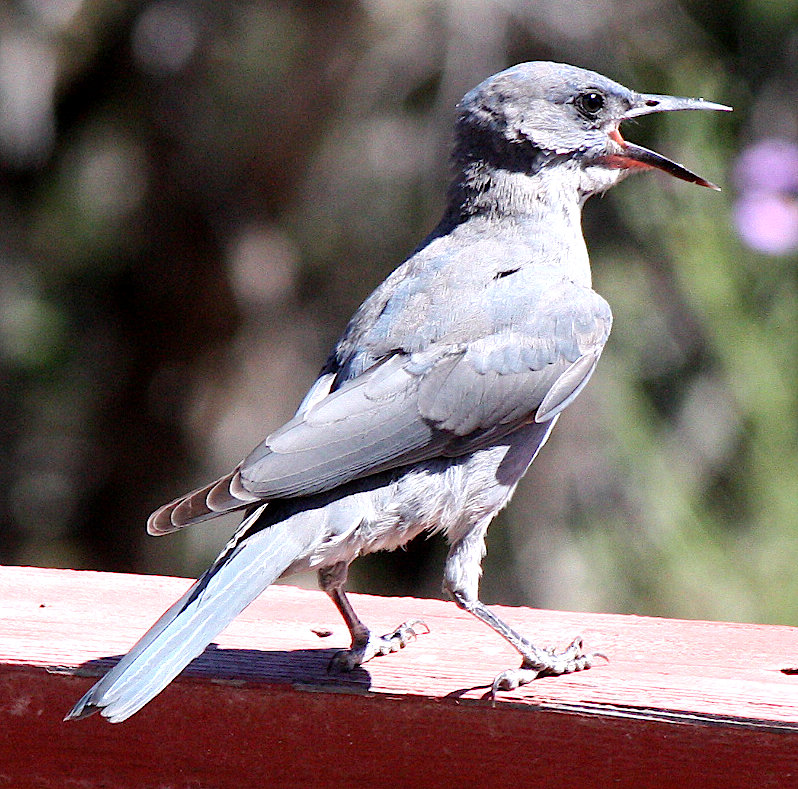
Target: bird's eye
x,y
590,103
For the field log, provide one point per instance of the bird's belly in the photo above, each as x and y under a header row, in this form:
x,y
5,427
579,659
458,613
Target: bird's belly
x,y
450,495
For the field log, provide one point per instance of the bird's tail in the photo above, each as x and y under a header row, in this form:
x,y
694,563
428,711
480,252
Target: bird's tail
x,y
251,561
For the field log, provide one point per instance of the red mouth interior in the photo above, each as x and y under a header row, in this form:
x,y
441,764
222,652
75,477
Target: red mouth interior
x,y
615,134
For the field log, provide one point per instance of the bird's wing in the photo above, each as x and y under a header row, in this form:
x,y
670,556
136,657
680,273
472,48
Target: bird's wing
x,y
498,384
443,401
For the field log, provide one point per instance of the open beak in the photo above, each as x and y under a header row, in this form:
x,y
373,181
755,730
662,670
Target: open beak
x,y
631,155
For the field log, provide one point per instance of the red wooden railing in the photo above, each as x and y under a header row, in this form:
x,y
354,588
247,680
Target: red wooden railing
x,y
683,704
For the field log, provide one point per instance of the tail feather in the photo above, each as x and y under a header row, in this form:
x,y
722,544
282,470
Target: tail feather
x,y
252,560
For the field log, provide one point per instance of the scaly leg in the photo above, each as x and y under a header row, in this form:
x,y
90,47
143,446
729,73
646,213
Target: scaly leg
x,y
365,646
461,580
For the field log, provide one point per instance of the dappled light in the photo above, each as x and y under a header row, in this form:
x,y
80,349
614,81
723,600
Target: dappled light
x,y
195,196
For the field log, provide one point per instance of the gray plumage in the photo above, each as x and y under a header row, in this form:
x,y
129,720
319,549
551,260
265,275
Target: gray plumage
x,y
442,389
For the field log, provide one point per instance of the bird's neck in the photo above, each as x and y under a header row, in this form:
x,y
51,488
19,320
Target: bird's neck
x,y
542,207
481,188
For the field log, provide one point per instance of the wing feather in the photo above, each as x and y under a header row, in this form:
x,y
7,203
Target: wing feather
x,y
444,400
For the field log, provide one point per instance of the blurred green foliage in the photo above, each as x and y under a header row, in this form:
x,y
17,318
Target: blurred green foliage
x,y
194,196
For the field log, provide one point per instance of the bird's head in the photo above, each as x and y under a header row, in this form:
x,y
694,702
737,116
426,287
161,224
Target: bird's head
x,y
537,114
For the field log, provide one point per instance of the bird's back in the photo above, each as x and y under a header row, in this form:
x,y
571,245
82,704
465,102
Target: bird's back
x,y
476,280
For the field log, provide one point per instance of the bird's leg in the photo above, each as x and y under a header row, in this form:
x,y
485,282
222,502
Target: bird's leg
x,y
365,646
461,580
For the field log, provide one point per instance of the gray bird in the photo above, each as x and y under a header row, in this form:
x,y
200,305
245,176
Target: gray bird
x,y
440,393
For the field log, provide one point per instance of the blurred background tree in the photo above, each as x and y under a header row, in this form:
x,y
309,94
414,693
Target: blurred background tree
x,y
194,197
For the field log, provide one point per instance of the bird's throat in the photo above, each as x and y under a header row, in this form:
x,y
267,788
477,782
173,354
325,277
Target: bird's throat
x,y
543,211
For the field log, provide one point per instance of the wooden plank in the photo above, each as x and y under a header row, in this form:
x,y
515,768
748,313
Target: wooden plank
x,y
677,699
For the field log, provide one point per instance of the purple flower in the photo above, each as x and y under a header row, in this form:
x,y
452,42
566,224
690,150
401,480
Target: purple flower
x,y
766,213
768,222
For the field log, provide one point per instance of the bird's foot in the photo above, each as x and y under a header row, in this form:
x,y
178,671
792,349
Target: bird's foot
x,y
545,663
350,659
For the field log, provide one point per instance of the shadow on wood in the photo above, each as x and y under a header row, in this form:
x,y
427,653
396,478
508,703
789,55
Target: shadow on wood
x,y
712,704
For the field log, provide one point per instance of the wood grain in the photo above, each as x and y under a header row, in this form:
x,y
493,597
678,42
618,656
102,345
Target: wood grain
x,y
706,702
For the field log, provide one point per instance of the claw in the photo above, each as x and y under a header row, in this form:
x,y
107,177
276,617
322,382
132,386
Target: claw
x,y
410,626
350,659
545,663
511,679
